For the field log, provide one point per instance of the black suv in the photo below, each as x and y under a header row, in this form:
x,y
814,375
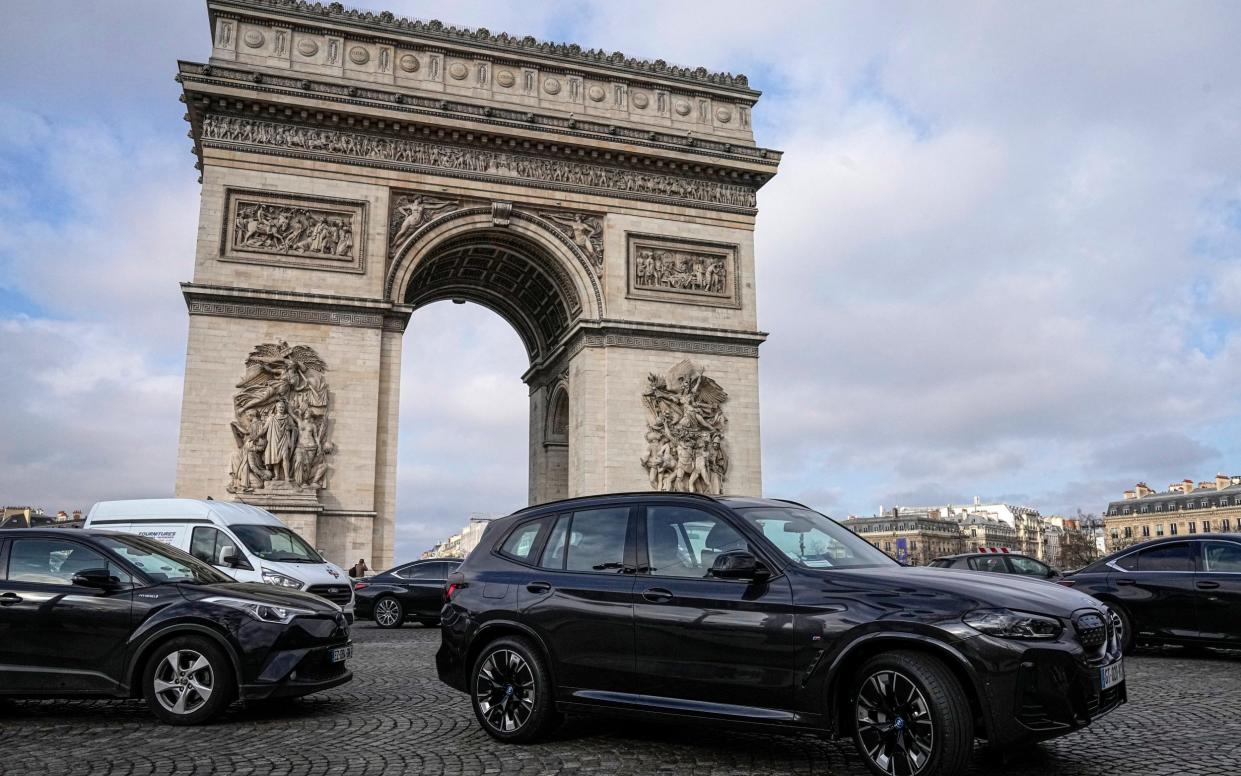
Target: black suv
x,y
96,613
764,611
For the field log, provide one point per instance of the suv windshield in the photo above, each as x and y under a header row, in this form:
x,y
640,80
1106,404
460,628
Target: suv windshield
x,y
813,540
161,563
276,543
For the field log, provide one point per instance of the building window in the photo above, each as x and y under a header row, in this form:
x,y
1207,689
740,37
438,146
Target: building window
x,y
1146,530
1144,509
1223,525
1128,532
1204,503
1172,529
1159,507
912,545
1206,526
1159,530
1193,527
1128,509
1115,533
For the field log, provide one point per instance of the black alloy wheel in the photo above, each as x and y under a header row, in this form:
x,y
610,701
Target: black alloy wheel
x,y
188,680
511,692
911,717
389,613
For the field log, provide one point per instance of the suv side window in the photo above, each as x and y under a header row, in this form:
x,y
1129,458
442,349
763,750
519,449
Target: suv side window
x,y
989,563
596,540
55,561
210,545
520,543
684,542
553,553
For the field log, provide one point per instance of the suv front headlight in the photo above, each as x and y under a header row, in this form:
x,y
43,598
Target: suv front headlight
x,y
260,611
283,580
1012,625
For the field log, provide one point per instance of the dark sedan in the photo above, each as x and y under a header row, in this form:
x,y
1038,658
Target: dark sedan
x,y
1176,590
414,591
96,613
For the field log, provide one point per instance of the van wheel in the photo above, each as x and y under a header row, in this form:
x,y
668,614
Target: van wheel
x,y
511,691
911,716
389,613
188,680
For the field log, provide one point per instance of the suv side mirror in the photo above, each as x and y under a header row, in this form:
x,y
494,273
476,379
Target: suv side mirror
x,y
99,579
738,564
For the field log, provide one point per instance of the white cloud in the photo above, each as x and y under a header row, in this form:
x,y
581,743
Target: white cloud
x,y
1003,255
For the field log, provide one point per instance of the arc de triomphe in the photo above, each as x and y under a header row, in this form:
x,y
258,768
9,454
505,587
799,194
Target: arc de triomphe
x,y
357,166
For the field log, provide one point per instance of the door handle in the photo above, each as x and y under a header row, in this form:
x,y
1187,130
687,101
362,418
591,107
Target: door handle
x,y
657,595
1207,585
538,587
1125,582
10,598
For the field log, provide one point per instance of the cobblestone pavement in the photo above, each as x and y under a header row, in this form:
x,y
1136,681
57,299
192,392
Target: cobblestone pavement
x,y
1183,717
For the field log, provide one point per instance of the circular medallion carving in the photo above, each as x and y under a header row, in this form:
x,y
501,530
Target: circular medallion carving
x,y
253,38
409,63
307,47
596,93
551,86
359,55
458,70
682,108
506,78
640,100
723,115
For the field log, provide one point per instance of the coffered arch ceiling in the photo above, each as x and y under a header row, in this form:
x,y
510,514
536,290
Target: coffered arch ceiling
x,y
506,273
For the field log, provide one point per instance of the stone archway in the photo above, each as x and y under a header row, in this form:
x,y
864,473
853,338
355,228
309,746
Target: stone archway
x,y
358,166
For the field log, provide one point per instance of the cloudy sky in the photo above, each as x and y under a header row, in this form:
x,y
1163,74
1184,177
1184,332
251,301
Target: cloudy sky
x,y
1002,257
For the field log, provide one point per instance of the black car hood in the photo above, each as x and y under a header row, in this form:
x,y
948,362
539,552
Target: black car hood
x,y
969,589
264,593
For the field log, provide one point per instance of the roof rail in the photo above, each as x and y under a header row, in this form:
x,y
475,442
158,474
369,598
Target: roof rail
x,y
647,493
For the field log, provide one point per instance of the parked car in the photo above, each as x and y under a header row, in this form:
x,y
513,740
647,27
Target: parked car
x,y
764,611
97,613
414,591
246,543
998,560
1175,590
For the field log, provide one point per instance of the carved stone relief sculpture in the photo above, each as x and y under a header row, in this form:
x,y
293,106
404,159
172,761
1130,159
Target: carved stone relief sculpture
x,y
686,438
269,228
410,211
280,423
470,162
585,231
682,270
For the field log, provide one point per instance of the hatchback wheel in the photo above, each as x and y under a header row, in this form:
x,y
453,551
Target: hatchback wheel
x,y
511,691
389,613
911,716
188,680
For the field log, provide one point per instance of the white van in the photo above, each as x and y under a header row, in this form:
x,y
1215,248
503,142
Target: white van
x,y
246,543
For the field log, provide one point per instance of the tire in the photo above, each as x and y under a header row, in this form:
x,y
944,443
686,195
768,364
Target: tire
x,y
511,691
1128,637
188,680
911,716
389,612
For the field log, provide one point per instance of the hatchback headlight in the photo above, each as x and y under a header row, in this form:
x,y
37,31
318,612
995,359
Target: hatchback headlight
x,y
1012,625
283,580
260,611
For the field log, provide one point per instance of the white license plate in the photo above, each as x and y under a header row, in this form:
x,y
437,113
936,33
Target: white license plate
x,y
340,654
1112,675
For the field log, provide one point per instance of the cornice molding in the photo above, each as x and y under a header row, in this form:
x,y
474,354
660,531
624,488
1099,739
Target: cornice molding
x,y
388,23
405,101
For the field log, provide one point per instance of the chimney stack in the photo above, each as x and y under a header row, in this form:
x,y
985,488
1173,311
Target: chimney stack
x,y
1222,481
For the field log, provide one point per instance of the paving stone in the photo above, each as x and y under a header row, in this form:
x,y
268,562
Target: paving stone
x,y
396,718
